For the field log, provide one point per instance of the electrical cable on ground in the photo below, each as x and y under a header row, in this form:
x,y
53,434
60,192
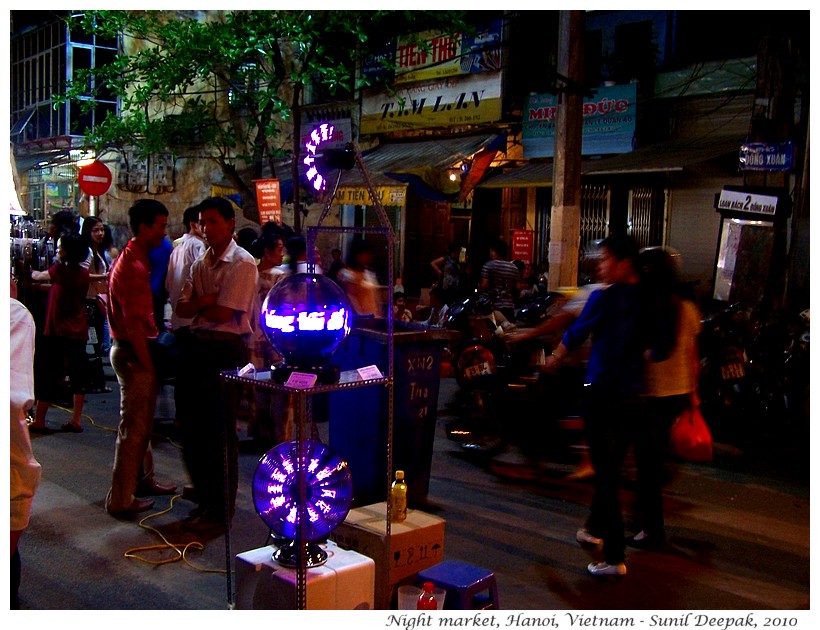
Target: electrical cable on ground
x,y
180,550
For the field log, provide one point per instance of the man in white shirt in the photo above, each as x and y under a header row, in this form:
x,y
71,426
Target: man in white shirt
x,y
187,249
218,298
25,470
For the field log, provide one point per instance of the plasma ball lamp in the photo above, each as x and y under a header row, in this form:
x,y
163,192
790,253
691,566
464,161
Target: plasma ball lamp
x,y
305,317
319,136
278,486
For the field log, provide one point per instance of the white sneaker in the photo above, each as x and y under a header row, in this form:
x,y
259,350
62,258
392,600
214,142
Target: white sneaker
x,y
600,569
585,538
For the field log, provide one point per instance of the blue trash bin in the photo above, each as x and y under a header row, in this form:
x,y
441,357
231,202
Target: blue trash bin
x,y
358,417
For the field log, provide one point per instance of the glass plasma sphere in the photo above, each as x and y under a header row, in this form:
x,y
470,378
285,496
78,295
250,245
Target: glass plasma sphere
x,y
305,317
328,488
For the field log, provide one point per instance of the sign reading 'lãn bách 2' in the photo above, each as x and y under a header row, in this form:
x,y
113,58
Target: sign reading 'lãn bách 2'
x,y
738,201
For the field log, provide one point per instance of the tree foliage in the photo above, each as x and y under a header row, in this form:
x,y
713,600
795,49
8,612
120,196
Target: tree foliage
x,y
227,85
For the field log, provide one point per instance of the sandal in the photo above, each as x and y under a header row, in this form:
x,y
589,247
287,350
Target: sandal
x,y
70,428
40,430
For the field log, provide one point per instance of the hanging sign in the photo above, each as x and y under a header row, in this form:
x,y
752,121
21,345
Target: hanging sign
x,y
746,201
94,179
608,122
471,99
268,200
522,245
761,156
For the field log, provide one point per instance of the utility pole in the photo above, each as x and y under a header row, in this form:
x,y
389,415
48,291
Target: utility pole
x,y
565,223
772,121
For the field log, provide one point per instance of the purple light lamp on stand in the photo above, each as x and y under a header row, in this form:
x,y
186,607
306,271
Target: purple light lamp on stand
x,y
301,490
305,317
282,475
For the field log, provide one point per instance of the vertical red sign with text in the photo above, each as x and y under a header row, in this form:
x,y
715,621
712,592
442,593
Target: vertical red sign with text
x,y
522,245
268,200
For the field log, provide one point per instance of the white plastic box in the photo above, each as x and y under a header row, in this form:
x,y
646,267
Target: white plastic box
x,y
345,582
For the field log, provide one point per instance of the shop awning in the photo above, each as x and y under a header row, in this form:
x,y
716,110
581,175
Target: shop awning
x,y
674,155
420,164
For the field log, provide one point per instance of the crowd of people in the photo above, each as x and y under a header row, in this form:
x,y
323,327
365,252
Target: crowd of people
x,y
190,305
641,368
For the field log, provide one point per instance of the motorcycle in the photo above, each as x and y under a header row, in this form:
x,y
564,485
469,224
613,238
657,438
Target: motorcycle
x,y
779,358
495,378
476,361
726,392
796,374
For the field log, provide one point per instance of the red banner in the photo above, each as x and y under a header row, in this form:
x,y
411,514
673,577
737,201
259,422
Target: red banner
x,y
522,245
268,200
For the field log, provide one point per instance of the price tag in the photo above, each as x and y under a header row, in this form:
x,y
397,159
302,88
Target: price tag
x,y
247,369
300,380
369,372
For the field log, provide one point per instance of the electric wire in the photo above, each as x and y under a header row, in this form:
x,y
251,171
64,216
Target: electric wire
x,y
180,549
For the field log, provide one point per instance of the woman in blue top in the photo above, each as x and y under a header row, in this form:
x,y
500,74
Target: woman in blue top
x,y
612,388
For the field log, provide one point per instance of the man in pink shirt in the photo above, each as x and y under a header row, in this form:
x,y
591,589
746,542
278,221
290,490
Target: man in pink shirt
x,y
133,329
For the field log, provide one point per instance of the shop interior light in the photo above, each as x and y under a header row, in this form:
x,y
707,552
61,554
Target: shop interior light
x,y
80,157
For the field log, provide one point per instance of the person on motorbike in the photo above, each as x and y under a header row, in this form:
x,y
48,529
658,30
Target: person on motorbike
x,y
572,369
500,276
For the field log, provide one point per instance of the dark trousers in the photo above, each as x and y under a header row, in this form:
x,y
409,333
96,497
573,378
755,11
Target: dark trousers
x,y
15,580
651,450
210,445
610,419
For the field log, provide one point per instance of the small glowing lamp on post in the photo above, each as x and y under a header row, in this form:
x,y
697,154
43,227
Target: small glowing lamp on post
x,y
305,317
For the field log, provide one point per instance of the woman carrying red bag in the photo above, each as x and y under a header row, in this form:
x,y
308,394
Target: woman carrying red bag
x,y
670,385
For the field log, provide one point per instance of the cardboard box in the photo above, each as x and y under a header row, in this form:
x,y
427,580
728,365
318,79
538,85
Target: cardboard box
x,y
415,544
345,582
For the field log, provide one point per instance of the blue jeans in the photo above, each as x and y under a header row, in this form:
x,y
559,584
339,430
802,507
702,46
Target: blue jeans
x,y
133,461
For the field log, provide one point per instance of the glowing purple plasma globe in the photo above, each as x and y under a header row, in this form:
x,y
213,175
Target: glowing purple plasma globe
x,y
305,317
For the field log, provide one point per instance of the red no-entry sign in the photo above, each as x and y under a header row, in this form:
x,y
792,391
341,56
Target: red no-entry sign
x,y
94,179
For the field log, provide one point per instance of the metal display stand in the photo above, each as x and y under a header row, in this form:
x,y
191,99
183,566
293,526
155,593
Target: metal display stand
x,y
348,380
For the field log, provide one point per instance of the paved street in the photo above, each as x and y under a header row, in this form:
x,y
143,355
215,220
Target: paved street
x,y
738,531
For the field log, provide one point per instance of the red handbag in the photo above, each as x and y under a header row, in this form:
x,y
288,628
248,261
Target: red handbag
x,y
689,437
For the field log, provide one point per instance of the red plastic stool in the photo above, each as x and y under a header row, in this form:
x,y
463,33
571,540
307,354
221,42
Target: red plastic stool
x,y
468,587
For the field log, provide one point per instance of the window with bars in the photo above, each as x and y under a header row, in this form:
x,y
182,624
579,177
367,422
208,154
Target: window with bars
x,y
43,60
647,215
595,201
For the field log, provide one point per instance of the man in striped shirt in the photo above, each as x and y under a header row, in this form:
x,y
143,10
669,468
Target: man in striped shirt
x,y
500,275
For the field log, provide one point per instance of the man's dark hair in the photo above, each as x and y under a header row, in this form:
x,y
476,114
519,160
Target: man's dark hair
x,y
145,212
64,221
280,229
246,239
191,215
267,241
622,246
359,246
297,247
222,205
499,246
74,247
